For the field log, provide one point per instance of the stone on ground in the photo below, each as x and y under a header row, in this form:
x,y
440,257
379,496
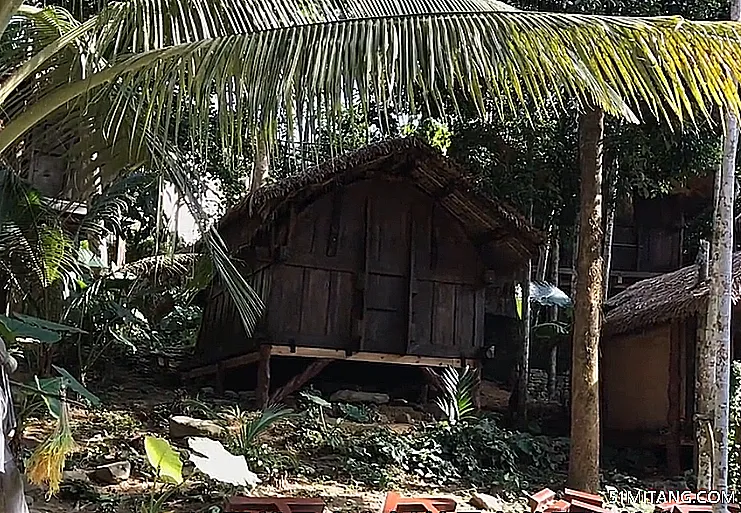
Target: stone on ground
x,y
69,476
182,426
112,473
355,396
487,502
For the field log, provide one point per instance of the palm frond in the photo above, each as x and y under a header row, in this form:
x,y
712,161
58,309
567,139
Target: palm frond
x,y
456,399
175,269
314,61
107,210
7,10
35,251
250,430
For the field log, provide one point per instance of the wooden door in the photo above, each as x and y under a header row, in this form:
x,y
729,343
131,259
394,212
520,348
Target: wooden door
x,y
386,273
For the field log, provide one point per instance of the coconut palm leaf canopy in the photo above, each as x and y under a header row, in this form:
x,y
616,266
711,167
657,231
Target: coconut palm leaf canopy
x,y
171,60
655,301
113,92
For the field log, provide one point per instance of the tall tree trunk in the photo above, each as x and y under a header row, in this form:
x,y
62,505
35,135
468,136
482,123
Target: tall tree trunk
x,y
524,365
585,432
261,164
719,302
523,376
610,211
553,317
704,376
545,253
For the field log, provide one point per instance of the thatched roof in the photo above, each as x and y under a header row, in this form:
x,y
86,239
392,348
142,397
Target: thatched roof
x,y
655,301
409,159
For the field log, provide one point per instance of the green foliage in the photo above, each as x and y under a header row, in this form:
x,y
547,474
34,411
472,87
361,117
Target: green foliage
x,y
357,413
32,329
247,441
250,429
456,399
551,330
164,460
477,453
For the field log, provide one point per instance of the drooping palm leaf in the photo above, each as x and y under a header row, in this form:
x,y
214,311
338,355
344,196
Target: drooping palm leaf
x,y
313,61
148,64
7,9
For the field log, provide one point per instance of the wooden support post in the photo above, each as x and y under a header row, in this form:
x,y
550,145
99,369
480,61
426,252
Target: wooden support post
x,y
366,273
263,376
334,226
433,378
673,439
300,380
411,288
359,313
219,378
476,392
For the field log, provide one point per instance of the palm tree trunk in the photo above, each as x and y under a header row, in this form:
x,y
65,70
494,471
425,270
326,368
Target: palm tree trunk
x,y
704,376
553,317
261,165
585,432
545,254
611,209
524,366
719,302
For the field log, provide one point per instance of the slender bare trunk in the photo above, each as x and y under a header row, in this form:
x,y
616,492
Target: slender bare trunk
x,y
719,299
522,392
611,209
704,376
545,254
553,317
585,423
261,165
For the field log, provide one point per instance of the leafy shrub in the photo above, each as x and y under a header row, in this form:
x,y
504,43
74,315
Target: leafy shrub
x,y
357,413
478,452
248,439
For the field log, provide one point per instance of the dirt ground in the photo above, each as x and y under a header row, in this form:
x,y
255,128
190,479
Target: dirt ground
x,y
138,405
138,401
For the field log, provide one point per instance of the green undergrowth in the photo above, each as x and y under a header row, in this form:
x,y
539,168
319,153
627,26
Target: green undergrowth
x,y
477,453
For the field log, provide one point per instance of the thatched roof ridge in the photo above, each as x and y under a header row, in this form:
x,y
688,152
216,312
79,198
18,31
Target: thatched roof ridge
x,y
655,301
406,158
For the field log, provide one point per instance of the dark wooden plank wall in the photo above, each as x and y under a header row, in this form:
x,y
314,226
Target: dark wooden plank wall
x,y
357,263
221,333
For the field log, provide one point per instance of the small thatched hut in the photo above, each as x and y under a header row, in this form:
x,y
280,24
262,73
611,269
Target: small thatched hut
x,y
384,255
648,359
